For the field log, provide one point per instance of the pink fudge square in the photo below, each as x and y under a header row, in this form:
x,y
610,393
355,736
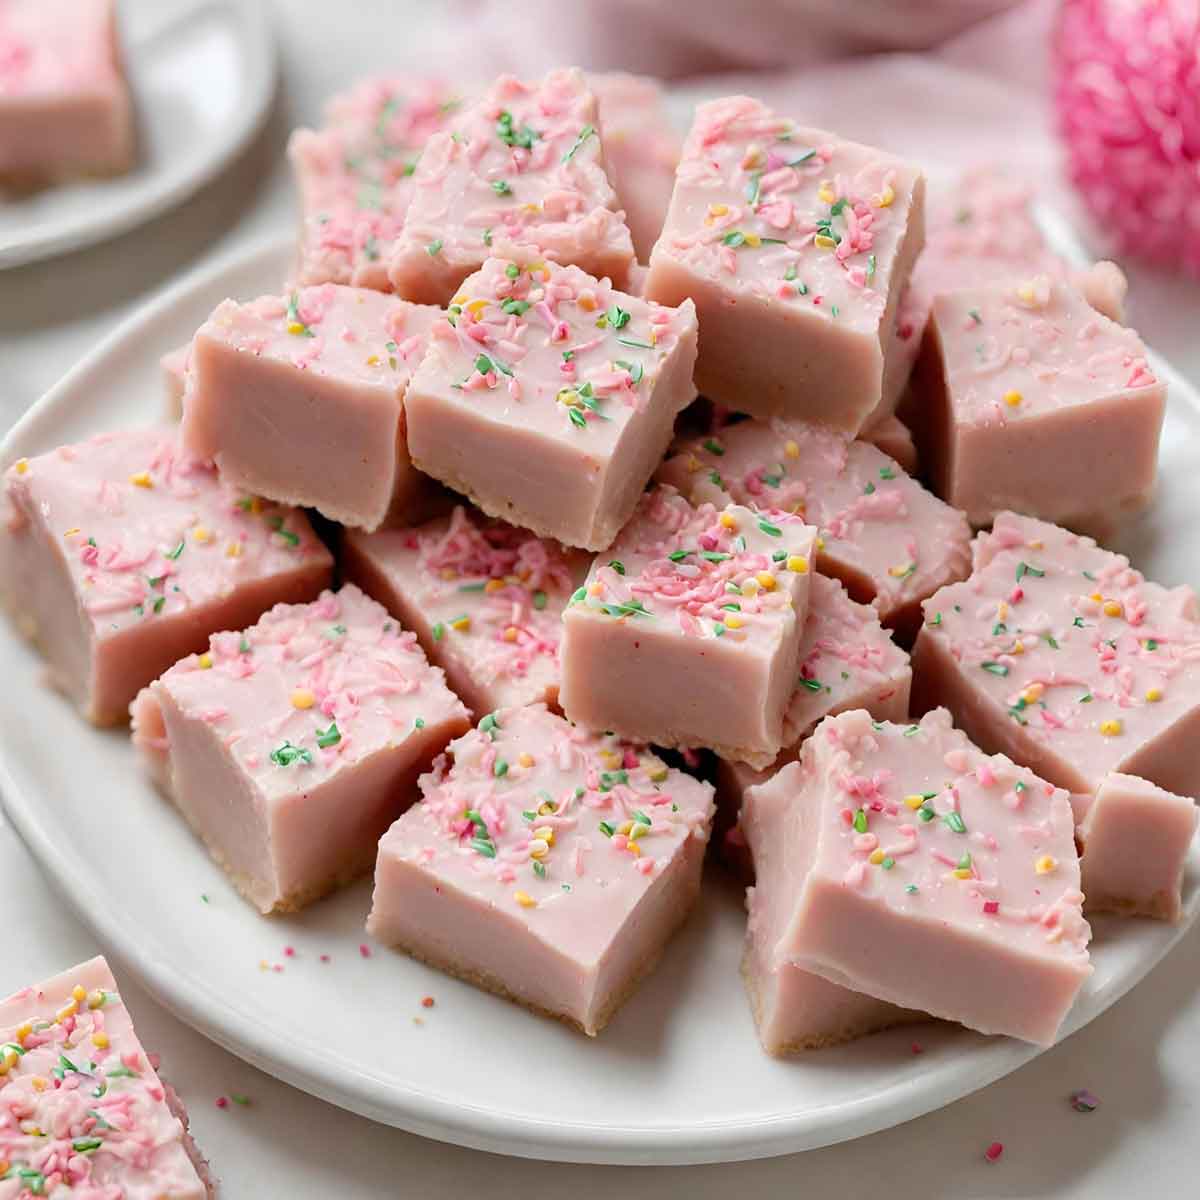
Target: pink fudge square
x,y
884,536
544,863
71,1065
301,398
642,149
124,553
354,176
1031,400
291,747
688,608
485,600
1061,655
174,366
847,660
925,873
549,397
798,244
524,166
1135,839
65,108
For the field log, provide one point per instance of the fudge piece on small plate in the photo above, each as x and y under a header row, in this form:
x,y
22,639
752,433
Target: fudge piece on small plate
x,y
355,175
1135,840
642,149
923,872
882,534
544,863
795,246
484,598
301,398
549,397
524,166
83,1111
689,609
291,747
65,108
1059,654
1029,399
847,660
123,554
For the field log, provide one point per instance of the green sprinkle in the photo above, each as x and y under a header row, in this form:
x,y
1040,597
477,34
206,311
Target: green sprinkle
x,y
886,473
1050,641
995,668
678,555
803,289
607,829
628,608
955,821
636,371
611,779
577,418
1023,569
813,685
911,731
523,137
634,343
1151,644
244,645
860,820
937,619
418,722
1019,786
833,308
790,273
734,238
586,132
888,863
926,813
805,157
501,187
769,529
539,600
640,817
512,271
329,737
869,489
287,754
296,326
487,236
870,267
86,1145
538,869
483,846
119,1073
999,628
204,898
617,565
973,313
713,446
238,1098
577,595
438,631
489,725
515,308
1089,575
1086,698
964,863
714,556
752,189
718,629
715,479
733,606
172,554
910,888
472,587
617,318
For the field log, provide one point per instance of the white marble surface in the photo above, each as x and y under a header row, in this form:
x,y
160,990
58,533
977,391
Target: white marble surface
x,y
1140,1058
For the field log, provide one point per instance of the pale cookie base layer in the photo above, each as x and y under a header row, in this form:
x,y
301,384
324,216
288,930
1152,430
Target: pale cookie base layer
x,y
490,983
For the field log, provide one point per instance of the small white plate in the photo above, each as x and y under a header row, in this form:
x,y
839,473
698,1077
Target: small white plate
x,y
678,1077
203,74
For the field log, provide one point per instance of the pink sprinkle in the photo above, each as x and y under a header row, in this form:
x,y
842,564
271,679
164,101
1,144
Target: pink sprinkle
x,y
917,1048
364,950
325,958
993,1152
289,951
991,906
222,1102
427,1002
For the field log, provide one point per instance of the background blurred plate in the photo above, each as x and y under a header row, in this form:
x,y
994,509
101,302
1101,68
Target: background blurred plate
x,y
203,74
678,1077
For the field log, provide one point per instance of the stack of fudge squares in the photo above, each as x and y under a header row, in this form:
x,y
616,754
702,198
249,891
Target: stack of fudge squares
x,y
579,628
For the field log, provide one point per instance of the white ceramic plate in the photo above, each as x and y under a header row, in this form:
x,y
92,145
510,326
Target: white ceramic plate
x,y
677,1078
203,74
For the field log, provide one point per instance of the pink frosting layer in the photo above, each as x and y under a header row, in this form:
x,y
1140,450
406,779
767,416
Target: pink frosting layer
x,y
82,1109
687,607
524,166
485,599
127,551
925,873
355,175
555,844
548,396
1059,653
889,540
812,236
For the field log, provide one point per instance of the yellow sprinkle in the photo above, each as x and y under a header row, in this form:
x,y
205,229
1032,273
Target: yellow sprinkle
x,y
766,580
586,303
887,197
23,1031
204,662
638,830
1096,597
750,587
95,998
9,1058
897,571
633,848
1111,728
1154,695
824,241
202,534
717,210
625,827
656,770
752,157
1033,693
544,810
728,520
733,621
1113,608
545,833
876,857
233,550
295,328
753,240
825,192
791,449
22,465
610,758
1002,610
303,698
40,1083
524,899
78,993
494,585
511,633
820,543
692,464
1018,647
460,299
526,760
1013,398
256,504
462,624
798,564
1026,293
538,848
1045,864
142,479
914,802
100,1039
71,532
1036,544
68,1010
476,307
373,361
963,872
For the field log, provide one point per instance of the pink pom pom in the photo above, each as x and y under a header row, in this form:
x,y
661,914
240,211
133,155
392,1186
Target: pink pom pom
x,y
1128,99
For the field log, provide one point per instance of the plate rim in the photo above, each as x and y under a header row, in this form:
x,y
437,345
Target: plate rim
x,y
418,1110
50,239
